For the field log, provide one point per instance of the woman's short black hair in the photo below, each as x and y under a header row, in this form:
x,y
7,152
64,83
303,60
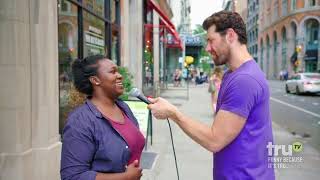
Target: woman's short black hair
x,y
82,69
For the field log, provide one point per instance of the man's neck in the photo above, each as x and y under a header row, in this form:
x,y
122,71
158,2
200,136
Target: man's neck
x,y
238,57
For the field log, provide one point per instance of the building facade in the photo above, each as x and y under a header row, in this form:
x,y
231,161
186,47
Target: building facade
x,y
181,19
29,125
289,36
228,5
239,6
39,40
184,25
253,27
162,45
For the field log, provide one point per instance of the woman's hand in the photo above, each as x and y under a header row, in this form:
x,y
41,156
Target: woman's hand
x,y
133,171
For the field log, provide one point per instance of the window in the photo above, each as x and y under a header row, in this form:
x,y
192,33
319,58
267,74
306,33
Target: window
x,y
312,76
84,28
284,7
293,5
312,30
275,11
68,50
312,2
256,49
93,35
261,54
298,77
96,6
115,19
65,6
284,48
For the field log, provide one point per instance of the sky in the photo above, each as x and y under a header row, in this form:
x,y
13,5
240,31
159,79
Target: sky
x,y
201,9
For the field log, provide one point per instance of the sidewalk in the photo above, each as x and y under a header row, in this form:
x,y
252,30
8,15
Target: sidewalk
x,y
195,162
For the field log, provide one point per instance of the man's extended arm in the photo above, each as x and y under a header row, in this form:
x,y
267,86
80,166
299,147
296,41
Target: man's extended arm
x,y
224,129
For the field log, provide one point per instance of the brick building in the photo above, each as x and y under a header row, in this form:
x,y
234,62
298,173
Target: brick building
x,y
252,27
288,36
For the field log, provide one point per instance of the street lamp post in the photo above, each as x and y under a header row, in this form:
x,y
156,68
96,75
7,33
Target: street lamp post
x,y
189,61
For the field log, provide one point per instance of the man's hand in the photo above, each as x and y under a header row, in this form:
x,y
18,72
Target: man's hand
x,y
133,171
162,109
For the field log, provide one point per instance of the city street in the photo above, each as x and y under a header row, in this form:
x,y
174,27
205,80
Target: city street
x,y
290,113
298,114
55,53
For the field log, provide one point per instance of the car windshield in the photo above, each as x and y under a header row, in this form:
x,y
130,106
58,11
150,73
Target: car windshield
x,y
312,76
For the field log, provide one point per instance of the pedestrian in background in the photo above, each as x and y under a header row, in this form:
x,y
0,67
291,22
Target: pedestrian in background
x,y
177,78
214,86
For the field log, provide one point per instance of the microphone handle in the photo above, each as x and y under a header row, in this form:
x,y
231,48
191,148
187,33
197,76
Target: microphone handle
x,y
144,99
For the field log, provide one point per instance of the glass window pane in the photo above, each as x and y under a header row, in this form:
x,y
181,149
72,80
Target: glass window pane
x,y
93,35
113,11
115,46
97,6
68,51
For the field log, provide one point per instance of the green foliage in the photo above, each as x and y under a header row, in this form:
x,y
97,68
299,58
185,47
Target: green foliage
x,y
204,53
148,57
206,67
198,29
127,82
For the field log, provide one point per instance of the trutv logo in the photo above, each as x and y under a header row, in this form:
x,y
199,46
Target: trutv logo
x,y
285,150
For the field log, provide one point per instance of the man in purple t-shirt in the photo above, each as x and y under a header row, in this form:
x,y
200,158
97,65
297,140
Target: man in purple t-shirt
x,y
241,129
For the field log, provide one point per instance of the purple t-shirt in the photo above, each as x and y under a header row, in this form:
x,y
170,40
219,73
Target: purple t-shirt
x,y
245,92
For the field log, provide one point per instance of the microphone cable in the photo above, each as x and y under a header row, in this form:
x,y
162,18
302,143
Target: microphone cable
x,y
174,151
135,92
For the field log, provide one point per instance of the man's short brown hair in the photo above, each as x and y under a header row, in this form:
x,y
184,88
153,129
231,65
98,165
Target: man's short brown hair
x,y
224,20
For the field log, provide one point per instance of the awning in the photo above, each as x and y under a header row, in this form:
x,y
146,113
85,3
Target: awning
x,y
165,23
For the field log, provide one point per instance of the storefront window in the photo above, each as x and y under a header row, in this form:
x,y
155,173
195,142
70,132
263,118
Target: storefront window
x,y
148,54
115,19
82,35
115,46
113,11
96,6
68,51
93,35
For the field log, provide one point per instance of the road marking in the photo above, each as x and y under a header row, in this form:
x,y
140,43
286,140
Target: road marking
x,y
316,104
295,107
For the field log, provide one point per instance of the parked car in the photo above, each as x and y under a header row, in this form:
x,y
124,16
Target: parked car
x,y
303,83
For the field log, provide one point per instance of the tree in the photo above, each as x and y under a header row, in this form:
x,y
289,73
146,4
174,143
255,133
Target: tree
x,y
199,31
204,55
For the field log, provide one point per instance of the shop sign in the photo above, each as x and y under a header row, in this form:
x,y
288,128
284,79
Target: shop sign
x,y
89,38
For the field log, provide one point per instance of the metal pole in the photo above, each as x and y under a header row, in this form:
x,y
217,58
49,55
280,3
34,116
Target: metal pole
x,y
184,58
188,82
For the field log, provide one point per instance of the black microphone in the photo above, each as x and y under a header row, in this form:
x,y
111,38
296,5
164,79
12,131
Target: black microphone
x,y
135,92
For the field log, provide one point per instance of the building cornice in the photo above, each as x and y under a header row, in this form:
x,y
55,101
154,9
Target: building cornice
x,y
299,11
